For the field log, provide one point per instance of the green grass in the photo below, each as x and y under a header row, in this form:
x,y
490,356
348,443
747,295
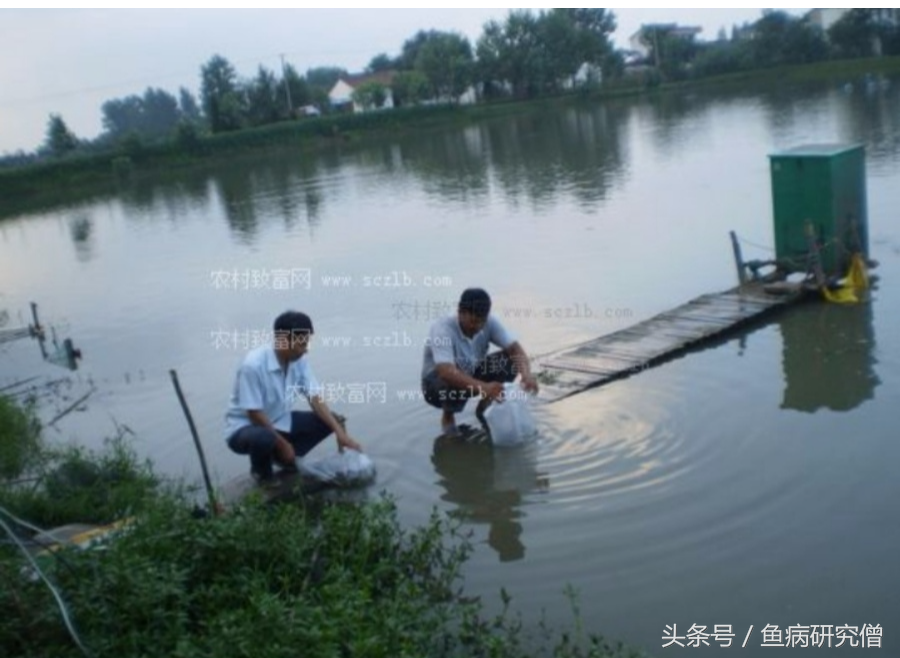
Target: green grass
x,y
837,71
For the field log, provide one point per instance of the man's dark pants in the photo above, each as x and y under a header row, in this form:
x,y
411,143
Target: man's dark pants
x,y
496,367
307,431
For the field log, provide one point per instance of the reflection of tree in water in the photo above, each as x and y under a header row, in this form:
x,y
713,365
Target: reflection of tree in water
x,y
576,150
452,164
174,199
868,112
81,229
537,156
828,356
255,191
678,119
312,199
235,187
489,486
785,107
667,114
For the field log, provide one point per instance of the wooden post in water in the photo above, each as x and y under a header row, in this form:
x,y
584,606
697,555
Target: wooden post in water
x,y
213,505
738,259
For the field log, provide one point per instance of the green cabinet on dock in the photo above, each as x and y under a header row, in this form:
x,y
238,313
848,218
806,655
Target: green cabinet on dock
x,y
824,184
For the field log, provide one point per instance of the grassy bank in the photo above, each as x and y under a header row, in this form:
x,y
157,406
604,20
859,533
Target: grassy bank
x,y
315,578
838,72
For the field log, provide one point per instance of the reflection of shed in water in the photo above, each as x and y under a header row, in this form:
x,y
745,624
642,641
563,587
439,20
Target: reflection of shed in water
x,y
828,357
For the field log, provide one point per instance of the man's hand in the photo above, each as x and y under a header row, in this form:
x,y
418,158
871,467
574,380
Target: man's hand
x,y
344,441
284,451
324,413
530,383
491,390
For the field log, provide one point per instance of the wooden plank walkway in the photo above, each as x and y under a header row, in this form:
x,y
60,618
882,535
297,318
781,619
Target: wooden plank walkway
x,y
664,336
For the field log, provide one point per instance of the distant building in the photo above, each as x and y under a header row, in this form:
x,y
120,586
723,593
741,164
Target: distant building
x,y
587,75
641,42
825,18
887,17
341,93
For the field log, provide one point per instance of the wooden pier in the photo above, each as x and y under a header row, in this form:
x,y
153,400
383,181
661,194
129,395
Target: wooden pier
x,y
664,336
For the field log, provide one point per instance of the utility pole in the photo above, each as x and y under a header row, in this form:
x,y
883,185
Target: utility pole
x,y
287,88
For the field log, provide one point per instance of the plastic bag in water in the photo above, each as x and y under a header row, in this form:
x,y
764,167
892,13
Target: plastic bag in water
x,y
345,469
509,419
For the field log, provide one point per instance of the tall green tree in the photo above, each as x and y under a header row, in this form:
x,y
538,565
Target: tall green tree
x,y
122,116
222,101
60,140
187,106
890,41
263,104
409,53
324,77
410,88
295,87
855,33
541,53
779,38
671,51
593,29
561,50
511,53
370,95
160,113
381,62
445,59
151,116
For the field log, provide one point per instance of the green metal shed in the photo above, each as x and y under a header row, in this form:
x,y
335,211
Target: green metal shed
x,y
824,185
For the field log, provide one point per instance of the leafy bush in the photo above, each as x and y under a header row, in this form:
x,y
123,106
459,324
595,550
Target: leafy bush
x,y
318,579
72,485
20,441
315,581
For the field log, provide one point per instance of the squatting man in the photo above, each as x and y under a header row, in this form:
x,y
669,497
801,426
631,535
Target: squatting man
x,y
259,421
456,364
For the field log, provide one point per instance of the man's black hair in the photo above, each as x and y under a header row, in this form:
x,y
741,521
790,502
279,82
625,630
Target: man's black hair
x,y
475,301
293,322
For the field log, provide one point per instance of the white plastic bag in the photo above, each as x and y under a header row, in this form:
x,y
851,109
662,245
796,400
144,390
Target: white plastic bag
x,y
509,419
343,469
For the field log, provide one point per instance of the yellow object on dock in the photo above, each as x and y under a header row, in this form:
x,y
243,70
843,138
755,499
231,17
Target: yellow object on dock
x,y
857,279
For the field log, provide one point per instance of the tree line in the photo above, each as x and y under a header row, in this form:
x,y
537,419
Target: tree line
x,y
526,55
776,39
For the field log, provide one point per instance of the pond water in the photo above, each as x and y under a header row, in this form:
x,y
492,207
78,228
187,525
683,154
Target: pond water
x,y
746,484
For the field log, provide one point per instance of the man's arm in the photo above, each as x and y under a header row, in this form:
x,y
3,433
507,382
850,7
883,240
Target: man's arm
x,y
324,413
456,378
523,365
284,451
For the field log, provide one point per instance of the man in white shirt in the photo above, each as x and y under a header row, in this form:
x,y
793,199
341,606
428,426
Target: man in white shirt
x,y
259,421
456,364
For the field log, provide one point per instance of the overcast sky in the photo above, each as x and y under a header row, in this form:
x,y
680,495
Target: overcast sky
x,y
70,61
